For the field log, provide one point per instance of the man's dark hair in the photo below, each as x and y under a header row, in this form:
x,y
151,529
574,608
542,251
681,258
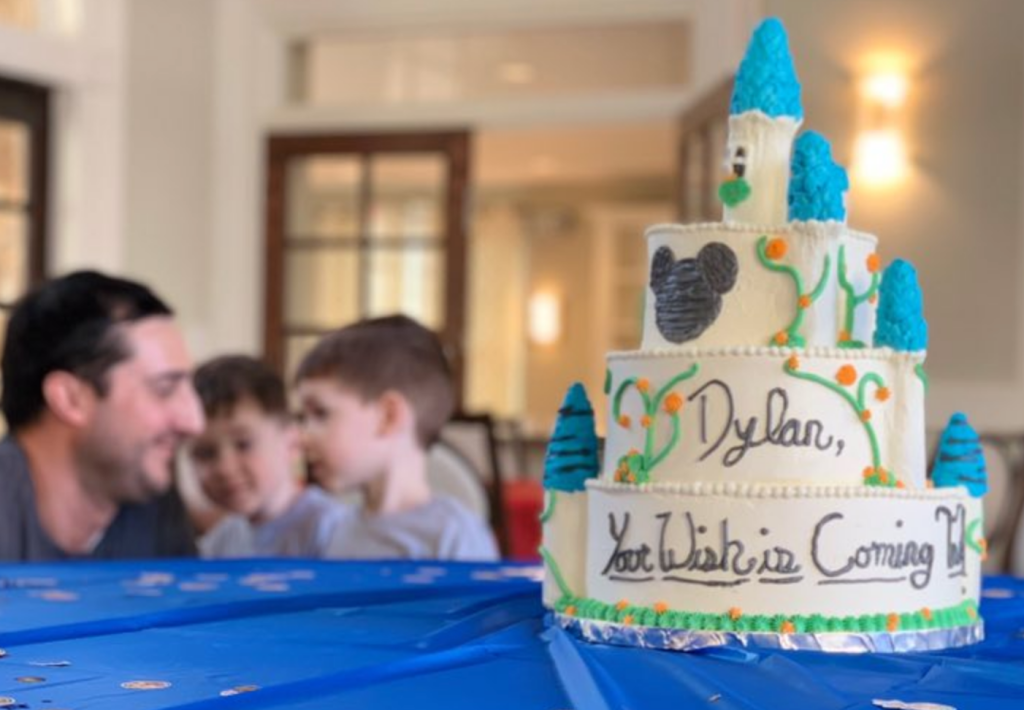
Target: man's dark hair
x,y
224,382
391,353
68,324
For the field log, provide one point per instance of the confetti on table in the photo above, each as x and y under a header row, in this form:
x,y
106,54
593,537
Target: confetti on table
x,y
239,689
900,705
197,587
57,595
30,679
5,701
997,594
145,685
50,664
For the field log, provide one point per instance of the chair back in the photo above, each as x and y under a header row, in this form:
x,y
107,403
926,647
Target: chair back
x,y
450,473
472,436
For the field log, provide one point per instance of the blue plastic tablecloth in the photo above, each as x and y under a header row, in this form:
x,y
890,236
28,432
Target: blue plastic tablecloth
x,y
307,634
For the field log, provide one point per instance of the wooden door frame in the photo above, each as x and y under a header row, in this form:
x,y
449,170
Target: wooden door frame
x,y
30,103
280,148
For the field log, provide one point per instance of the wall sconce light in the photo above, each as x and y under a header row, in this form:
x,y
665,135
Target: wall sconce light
x,y
880,154
544,322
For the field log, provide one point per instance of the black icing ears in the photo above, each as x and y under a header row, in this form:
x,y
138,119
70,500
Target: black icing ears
x,y
719,265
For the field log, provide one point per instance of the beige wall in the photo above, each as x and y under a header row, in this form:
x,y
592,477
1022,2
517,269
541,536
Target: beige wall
x,y
168,166
958,216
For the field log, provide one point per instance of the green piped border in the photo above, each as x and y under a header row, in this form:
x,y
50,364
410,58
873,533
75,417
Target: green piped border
x,y
853,300
963,614
794,339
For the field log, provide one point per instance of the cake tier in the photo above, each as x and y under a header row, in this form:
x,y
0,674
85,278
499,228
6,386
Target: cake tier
x,y
808,283
826,416
857,557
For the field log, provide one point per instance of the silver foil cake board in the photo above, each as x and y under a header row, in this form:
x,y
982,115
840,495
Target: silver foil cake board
x,y
607,632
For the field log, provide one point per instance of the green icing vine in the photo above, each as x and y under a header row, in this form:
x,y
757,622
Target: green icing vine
x,y
552,566
853,299
922,375
974,541
607,381
768,254
963,614
874,475
549,509
636,466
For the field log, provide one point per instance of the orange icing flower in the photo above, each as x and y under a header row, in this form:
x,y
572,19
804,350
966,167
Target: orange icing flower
x,y
983,544
892,622
844,336
632,452
882,394
793,363
621,605
874,263
846,375
776,249
624,421
787,627
804,301
628,620
645,421
926,613
735,613
570,610
643,384
781,338
673,403
873,299
901,484
865,416
971,612
869,472
660,607
631,477
883,476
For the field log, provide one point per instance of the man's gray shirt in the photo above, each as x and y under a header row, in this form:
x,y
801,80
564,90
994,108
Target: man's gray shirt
x,y
156,529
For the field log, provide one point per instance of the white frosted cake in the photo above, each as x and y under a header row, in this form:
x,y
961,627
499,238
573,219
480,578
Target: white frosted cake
x,y
764,474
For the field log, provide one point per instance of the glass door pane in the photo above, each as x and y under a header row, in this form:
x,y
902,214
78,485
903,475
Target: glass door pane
x,y
324,198
322,288
407,196
409,281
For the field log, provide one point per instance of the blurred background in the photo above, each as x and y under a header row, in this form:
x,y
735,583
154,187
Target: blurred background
x,y
277,168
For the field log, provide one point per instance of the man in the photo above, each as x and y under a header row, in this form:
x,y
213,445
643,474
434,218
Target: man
x,y
97,394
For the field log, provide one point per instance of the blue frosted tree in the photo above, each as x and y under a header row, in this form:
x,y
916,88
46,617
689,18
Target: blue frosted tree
x,y
766,80
900,322
818,184
572,453
960,460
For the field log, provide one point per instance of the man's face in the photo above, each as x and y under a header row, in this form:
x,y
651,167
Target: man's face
x,y
149,408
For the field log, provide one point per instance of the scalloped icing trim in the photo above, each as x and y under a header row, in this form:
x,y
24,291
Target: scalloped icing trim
x,y
830,228
737,489
817,351
963,614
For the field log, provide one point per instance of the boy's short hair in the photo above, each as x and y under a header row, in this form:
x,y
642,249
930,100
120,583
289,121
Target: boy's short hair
x,y
390,353
224,382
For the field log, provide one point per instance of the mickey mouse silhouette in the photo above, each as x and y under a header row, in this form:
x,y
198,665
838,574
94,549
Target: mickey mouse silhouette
x,y
688,292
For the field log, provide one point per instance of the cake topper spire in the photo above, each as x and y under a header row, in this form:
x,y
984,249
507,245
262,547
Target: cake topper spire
x,y
766,80
765,116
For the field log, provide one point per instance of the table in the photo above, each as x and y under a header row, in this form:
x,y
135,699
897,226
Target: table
x,y
308,634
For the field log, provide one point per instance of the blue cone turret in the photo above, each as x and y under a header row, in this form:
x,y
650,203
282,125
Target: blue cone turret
x,y
572,454
766,80
818,185
960,460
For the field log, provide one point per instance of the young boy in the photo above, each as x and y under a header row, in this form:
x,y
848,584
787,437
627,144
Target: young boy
x,y
245,462
374,396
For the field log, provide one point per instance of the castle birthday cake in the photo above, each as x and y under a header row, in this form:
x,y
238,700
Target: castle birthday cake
x,y
764,478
